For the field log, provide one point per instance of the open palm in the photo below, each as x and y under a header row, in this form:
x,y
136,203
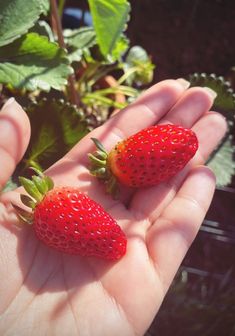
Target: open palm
x,y
44,292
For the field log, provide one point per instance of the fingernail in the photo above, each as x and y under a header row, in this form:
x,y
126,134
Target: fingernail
x,y
211,92
184,83
8,102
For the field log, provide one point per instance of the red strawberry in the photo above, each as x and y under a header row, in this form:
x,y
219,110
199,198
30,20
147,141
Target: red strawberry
x,y
69,221
146,158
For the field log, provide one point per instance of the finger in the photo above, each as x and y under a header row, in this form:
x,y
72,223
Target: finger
x,y
190,107
172,234
147,110
14,138
162,100
150,202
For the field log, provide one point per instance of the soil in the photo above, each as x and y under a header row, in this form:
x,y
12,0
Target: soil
x,y
184,36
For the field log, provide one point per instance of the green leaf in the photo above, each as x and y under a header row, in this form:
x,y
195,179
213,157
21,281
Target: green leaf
x,y
120,47
222,160
56,127
45,146
73,127
18,16
222,163
32,62
42,28
225,100
81,38
79,41
138,67
45,5
136,54
109,19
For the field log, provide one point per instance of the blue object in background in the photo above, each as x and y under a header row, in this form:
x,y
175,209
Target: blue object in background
x,y
76,18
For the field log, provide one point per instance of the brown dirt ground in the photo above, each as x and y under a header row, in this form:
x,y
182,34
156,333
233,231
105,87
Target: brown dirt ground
x,y
185,36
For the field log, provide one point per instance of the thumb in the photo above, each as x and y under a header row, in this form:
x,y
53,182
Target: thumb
x,y
14,138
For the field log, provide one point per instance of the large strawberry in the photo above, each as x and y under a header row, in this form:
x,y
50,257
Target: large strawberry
x,y
146,158
69,221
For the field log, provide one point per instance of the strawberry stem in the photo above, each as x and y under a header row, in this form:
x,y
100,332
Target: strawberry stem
x,y
31,188
99,145
112,187
28,201
36,188
100,168
95,160
98,161
23,215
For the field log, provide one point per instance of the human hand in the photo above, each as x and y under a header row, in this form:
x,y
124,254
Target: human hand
x,y
44,292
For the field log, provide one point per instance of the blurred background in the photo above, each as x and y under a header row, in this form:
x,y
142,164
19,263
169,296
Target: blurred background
x,y
185,36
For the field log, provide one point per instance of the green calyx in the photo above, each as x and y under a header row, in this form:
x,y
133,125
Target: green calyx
x,y
98,161
36,188
99,168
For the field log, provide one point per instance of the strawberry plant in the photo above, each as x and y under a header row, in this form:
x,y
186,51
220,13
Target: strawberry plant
x,y
222,159
60,76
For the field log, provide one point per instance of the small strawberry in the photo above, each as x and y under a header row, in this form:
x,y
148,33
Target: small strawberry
x,y
146,158
69,221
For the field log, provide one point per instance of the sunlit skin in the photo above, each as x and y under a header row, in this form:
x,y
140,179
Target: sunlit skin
x,y
44,292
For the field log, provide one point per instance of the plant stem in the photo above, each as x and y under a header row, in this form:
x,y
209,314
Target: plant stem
x,y
74,97
101,72
61,7
128,73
